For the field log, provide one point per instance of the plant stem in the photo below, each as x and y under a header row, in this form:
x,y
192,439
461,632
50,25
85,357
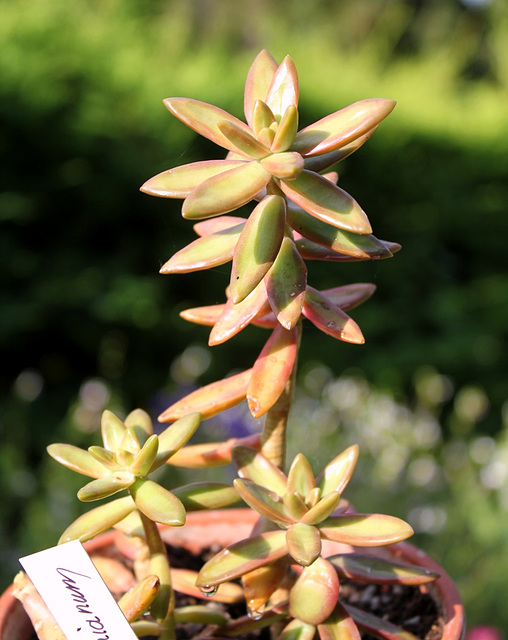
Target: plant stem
x,y
163,606
273,437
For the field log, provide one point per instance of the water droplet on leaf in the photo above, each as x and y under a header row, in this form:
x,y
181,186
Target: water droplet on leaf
x,y
209,590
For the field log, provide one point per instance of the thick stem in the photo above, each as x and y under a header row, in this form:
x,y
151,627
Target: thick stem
x,y
163,606
273,437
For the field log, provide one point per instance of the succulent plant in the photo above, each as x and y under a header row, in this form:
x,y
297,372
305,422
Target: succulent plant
x,y
306,537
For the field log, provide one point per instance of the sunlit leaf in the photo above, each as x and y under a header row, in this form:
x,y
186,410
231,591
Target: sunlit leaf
x,y
77,460
210,399
339,626
304,543
242,557
157,503
286,131
141,422
226,192
262,118
265,502
106,486
314,595
259,585
144,460
104,456
329,318
112,430
180,181
200,614
208,251
203,118
175,437
272,370
322,509
235,317
258,81
257,247
98,520
252,465
365,530
184,581
243,140
206,495
327,202
206,316
349,296
298,630
214,225
285,284
338,472
342,127
325,160
300,476
283,91
365,246
212,454
295,506
138,599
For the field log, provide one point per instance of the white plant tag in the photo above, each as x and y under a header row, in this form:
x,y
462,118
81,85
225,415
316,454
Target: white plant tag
x,y
75,593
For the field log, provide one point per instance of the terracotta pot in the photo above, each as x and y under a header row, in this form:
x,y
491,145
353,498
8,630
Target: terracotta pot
x,y
223,528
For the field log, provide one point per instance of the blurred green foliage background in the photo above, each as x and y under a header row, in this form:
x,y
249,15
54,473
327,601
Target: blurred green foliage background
x,y
86,322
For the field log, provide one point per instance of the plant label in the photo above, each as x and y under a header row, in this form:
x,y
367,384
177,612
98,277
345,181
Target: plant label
x,y
75,593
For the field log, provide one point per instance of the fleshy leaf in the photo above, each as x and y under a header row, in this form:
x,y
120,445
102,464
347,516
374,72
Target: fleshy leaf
x,y
370,568
339,626
326,202
258,81
104,456
325,160
206,495
286,165
262,117
300,476
353,244
295,506
236,317
298,630
175,437
365,530
180,181
283,91
144,460
253,466
260,584
112,430
265,502
157,503
205,252
207,315
200,614
377,626
257,246
214,225
210,399
304,543
349,296
285,284
322,509
338,472
184,581
272,370
243,140
138,599
212,454
98,520
106,486
226,192
286,131
77,460
203,118
342,127
330,319
314,595
242,557
141,422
